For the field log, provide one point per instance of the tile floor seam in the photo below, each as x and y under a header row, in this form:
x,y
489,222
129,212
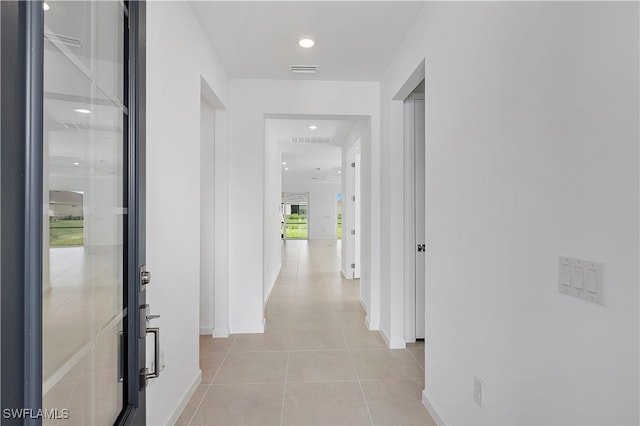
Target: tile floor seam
x,y
247,383
415,359
353,363
324,381
212,380
199,403
226,355
284,388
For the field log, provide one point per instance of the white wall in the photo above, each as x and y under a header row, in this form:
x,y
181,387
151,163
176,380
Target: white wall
x,y
250,101
272,217
178,56
532,153
322,220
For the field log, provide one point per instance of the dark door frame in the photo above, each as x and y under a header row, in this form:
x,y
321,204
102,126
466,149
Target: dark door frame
x,y
21,158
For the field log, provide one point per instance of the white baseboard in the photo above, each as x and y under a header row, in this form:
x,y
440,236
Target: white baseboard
x,y
259,328
384,337
364,305
347,275
185,399
206,330
220,332
427,402
393,344
272,285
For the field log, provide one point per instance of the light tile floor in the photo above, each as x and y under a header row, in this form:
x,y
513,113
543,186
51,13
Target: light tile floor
x,y
315,364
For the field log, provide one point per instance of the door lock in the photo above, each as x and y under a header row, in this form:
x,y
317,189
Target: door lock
x,y
145,277
421,248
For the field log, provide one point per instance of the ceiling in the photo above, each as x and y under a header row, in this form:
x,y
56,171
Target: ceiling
x,y
305,158
355,40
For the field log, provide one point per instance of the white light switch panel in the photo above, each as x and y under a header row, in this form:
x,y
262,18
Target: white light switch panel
x,y
581,278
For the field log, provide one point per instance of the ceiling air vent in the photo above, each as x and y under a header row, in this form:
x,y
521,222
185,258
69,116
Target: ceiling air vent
x,y
69,41
308,140
304,69
77,125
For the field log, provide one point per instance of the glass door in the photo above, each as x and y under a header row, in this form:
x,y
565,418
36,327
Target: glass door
x,y
73,313
85,214
296,214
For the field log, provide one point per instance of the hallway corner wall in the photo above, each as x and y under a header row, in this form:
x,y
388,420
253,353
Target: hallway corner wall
x,y
532,129
272,191
178,57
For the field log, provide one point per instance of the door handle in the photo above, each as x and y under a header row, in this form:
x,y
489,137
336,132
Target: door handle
x,y
145,375
156,356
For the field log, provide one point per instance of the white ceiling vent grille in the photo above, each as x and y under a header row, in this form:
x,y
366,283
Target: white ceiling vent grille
x,y
308,140
69,41
304,69
86,126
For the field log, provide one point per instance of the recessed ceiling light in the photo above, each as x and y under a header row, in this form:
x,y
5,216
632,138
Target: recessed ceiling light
x,y
82,111
76,164
339,171
306,43
45,6
286,168
284,162
313,127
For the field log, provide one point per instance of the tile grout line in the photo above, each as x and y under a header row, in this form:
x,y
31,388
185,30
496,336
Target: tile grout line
x,y
284,389
415,359
199,403
353,363
212,380
286,371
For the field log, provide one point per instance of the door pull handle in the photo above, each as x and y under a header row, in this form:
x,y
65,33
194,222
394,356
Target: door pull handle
x,y
145,375
156,355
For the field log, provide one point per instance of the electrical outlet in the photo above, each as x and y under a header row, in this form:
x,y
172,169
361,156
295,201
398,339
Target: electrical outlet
x,y
478,392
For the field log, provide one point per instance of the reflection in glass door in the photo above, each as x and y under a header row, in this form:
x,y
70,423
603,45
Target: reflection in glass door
x,y
84,270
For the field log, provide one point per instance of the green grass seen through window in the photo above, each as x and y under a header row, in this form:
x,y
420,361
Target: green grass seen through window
x,y
66,233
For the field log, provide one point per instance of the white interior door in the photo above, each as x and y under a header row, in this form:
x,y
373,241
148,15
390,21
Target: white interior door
x,y
356,216
419,218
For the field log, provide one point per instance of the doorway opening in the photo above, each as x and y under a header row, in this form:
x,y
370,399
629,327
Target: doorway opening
x,y
207,216
414,209
339,216
309,154
296,214
415,139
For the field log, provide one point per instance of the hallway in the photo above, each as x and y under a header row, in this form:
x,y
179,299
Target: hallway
x,y
315,364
